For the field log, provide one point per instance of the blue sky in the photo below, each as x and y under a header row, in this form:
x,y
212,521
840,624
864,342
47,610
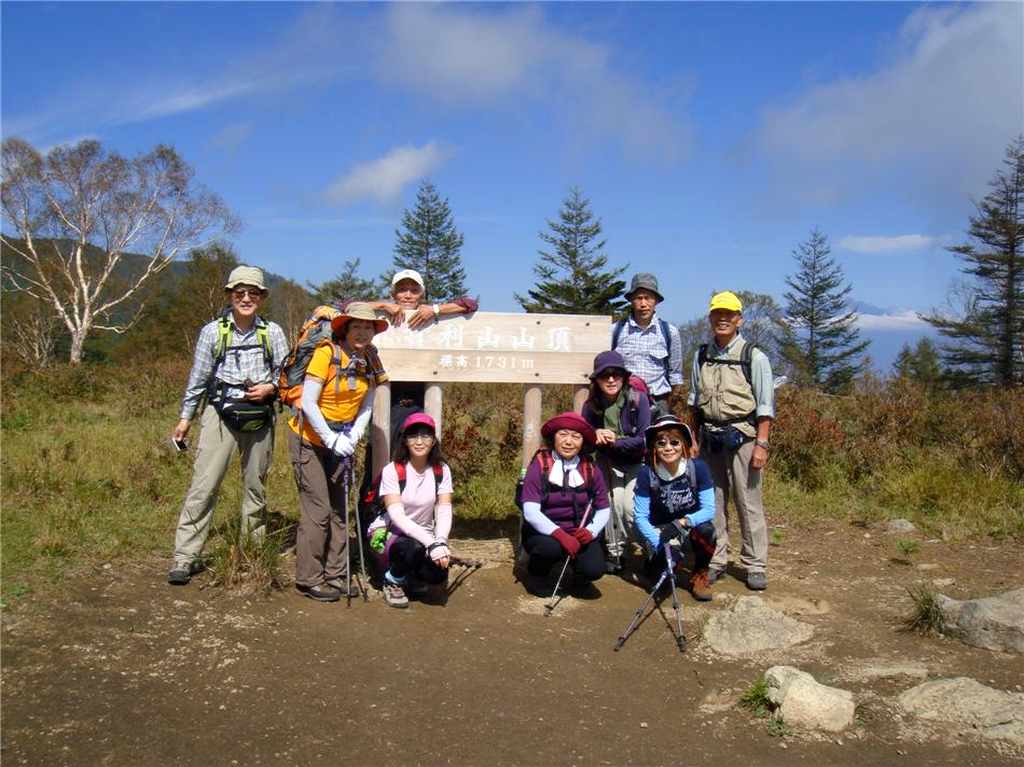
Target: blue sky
x,y
709,137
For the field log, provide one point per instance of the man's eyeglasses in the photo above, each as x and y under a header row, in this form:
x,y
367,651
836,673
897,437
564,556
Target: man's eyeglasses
x,y
250,292
668,442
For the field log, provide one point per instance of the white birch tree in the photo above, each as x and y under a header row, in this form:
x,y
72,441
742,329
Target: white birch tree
x,y
69,217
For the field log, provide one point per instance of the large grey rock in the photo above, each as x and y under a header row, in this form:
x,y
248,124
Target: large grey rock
x,y
803,701
751,626
969,705
994,623
901,526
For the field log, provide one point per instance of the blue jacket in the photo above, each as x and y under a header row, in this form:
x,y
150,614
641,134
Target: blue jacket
x,y
675,499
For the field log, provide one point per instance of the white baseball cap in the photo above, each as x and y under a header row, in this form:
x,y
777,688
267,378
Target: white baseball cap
x,y
407,274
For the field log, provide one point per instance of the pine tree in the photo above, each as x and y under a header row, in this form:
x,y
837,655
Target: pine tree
x,y
825,348
573,279
920,364
346,286
986,342
429,243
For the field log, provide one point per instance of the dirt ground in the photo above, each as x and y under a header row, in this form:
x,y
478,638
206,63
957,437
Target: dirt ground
x,y
117,668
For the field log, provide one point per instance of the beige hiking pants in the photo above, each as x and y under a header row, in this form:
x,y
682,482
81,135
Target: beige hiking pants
x,y
735,479
217,445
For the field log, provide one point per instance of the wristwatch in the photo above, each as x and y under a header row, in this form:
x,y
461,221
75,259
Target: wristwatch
x,y
763,443
437,311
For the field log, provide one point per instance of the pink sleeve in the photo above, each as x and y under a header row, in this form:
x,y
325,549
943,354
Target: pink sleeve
x,y
389,481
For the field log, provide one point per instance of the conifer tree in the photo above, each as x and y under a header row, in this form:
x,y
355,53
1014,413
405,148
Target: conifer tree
x,y
429,243
346,286
573,278
824,348
920,364
986,342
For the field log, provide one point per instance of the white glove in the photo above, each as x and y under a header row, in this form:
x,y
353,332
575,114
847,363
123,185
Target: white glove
x,y
439,552
342,445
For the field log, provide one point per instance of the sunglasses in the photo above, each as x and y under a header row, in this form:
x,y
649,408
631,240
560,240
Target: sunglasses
x,y
611,374
250,292
668,442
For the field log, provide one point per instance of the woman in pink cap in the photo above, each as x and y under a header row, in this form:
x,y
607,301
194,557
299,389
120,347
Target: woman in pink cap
x,y
411,537
565,505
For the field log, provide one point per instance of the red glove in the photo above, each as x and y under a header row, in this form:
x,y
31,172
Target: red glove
x,y
583,535
570,544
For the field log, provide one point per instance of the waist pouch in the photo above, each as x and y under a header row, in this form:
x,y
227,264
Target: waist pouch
x,y
727,440
243,415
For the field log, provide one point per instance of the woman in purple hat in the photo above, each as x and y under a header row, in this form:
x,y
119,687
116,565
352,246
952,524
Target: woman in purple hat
x,y
619,414
411,538
565,505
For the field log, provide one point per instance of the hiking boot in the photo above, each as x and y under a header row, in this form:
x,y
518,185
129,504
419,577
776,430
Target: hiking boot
x,y
715,575
757,581
394,595
180,573
339,584
321,592
700,585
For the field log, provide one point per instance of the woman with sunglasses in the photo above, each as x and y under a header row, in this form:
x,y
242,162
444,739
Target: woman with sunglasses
x,y
675,498
411,538
619,414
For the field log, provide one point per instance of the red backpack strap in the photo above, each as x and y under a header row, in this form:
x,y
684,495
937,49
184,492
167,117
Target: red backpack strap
x,y
438,476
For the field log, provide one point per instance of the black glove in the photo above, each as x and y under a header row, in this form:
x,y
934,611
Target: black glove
x,y
672,531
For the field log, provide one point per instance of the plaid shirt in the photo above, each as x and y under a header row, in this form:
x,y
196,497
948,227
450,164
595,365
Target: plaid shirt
x,y
238,364
647,355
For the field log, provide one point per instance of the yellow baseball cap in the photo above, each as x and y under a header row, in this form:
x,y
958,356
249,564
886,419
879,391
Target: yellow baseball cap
x,y
725,300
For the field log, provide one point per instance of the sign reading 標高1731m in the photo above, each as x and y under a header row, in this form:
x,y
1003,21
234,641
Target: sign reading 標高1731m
x,y
497,348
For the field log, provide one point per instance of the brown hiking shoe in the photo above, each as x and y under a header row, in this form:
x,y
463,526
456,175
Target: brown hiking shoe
x,y
700,586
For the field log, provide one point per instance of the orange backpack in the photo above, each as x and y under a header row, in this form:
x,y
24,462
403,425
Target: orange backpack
x,y
315,331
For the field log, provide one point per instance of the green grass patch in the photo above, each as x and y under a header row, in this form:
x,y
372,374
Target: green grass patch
x,y
924,617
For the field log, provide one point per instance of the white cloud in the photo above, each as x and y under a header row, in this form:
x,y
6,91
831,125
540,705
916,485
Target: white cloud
x,y
883,244
463,57
935,117
905,320
385,178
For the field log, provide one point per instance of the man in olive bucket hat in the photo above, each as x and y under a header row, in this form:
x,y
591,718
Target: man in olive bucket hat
x,y
650,346
237,360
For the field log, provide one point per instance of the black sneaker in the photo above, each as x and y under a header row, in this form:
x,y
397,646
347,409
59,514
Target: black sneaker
x,y
321,592
180,573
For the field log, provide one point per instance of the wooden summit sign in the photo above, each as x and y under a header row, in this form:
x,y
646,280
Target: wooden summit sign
x,y
489,347
497,348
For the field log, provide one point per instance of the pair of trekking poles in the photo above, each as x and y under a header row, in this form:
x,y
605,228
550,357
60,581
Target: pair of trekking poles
x,y
666,573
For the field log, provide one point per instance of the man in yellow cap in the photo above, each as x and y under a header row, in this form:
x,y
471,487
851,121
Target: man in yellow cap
x,y
732,402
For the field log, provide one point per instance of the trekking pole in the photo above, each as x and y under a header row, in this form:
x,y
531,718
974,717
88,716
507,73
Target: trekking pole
x,y
348,544
680,637
363,583
667,573
606,462
551,602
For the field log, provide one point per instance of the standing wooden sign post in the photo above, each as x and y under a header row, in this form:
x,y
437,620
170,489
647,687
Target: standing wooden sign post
x,y
489,347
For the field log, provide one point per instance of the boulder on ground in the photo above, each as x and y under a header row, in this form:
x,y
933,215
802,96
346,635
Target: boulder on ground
x,y
901,526
994,623
802,701
970,705
751,626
